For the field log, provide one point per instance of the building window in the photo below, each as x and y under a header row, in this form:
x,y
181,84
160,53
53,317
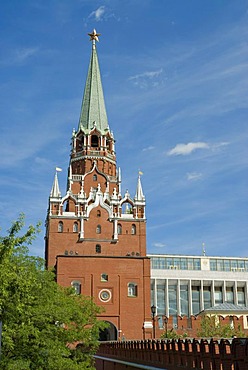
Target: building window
x,y
160,299
94,141
184,300
98,229
133,231
195,299
60,227
98,248
207,296
218,295
119,229
77,286
94,177
172,292
75,227
104,277
229,295
132,290
98,213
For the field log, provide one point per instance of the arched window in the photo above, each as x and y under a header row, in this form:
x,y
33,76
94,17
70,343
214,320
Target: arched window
x,y
133,230
132,290
77,286
95,177
98,229
119,229
75,227
98,213
104,277
94,141
60,227
98,248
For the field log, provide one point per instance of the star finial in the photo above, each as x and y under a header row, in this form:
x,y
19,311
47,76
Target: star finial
x,y
94,35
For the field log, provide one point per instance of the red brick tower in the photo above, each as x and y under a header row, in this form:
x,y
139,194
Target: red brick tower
x,y
95,237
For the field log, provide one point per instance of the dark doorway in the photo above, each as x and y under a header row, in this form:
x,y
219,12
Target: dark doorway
x,y
109,333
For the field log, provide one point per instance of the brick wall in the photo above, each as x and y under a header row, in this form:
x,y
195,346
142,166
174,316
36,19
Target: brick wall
x,y
175,354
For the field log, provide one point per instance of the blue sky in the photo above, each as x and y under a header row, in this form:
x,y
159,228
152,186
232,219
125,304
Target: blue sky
x,y
175,80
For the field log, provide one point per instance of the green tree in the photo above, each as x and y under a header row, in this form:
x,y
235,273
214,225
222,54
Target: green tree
x,y
210,327
41,322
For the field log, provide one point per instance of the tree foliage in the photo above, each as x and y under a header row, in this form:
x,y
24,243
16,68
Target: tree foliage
x,y
211,327
41,321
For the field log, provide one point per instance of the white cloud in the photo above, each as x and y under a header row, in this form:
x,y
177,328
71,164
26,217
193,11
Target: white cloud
x,y
145,79
148,148
98,13
25,53
186,149
150,74
194,176
159,245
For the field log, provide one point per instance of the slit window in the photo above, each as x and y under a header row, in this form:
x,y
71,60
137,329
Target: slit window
x,y
98,229
98,248
75,227
133,230
119,229
60,227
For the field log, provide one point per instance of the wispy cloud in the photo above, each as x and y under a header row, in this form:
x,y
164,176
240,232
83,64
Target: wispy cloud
x,y
98,14
159,245
194,176
146,78
186,149
148,148
19,56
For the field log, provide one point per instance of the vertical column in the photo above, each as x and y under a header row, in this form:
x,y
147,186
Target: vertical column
x,y
246,293
115,230
178,298
235,292
201,296
81,228
190,299
212,294
224,291
167,297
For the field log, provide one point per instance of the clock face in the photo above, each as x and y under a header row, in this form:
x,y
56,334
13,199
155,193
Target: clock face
x,y
105,295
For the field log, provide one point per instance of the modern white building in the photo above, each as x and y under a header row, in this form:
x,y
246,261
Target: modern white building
x,y
186,285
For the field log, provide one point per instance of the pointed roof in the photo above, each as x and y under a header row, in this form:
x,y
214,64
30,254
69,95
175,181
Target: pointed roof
x,y
55,192
93,111
139,196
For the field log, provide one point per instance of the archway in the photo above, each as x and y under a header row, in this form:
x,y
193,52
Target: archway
x,y
109,333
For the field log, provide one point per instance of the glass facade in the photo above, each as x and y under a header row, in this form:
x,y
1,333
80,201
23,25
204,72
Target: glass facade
x,y
175,263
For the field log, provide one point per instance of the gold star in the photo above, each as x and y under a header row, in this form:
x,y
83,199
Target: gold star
x,y
94,35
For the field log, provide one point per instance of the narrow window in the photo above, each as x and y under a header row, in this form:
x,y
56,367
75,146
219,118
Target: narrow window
x,y
77,286
94,177
60,227
119,229
104,277
98,229
132,290
94,141
98,248
98,213
75,227
133,231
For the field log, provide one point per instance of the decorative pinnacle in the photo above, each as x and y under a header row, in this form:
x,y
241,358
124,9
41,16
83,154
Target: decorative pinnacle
x,y
94,36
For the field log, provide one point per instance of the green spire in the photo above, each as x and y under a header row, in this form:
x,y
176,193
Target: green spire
x,y
93,111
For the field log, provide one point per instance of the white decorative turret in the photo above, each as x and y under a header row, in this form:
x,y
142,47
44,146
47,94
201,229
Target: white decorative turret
x,y
139,196
55,192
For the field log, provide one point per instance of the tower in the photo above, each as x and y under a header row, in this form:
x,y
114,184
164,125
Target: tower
x,y
95,236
